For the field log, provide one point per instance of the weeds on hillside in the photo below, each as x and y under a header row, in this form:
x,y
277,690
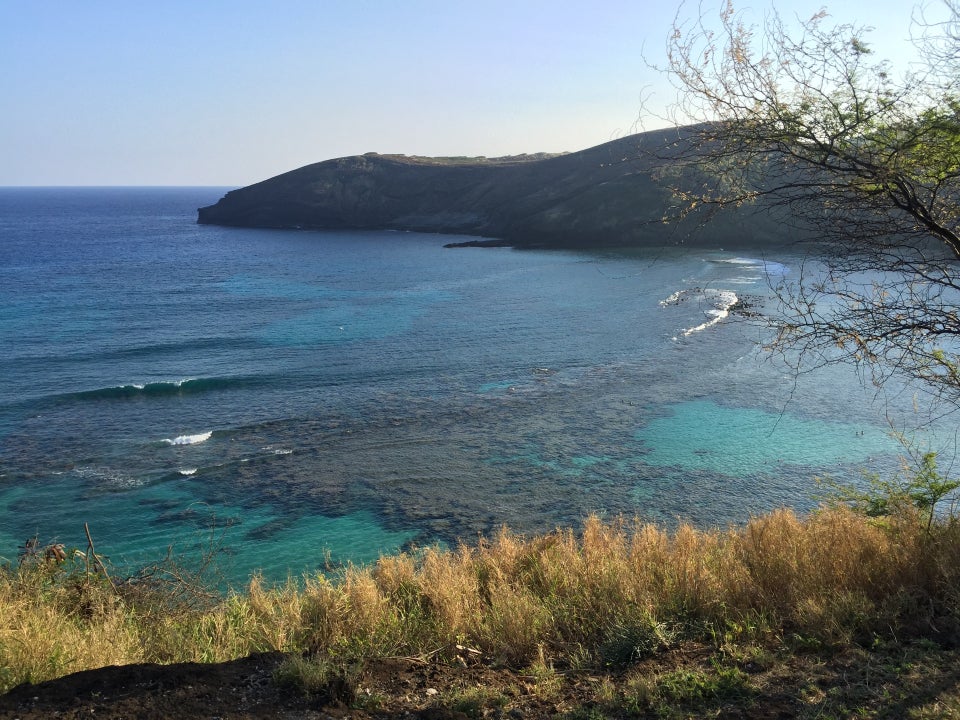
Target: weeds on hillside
x,y
605,598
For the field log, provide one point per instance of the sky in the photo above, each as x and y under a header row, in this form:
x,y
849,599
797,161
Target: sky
x,y
227,93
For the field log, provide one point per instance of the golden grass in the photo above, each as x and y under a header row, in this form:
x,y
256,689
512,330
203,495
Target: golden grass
x,y
609,594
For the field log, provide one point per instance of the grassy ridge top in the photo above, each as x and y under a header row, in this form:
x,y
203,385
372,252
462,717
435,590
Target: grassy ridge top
x,y
690,620
466,159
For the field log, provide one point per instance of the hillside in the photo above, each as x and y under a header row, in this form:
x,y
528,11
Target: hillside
x,y
832,615
604,196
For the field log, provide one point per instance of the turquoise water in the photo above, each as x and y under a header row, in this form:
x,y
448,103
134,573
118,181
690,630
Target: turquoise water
x,y
702,435
129,525
317,398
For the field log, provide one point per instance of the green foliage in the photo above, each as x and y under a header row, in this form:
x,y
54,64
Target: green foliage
x,y
317,675
476,702
667,694
923,490
546,681
633,637
722,682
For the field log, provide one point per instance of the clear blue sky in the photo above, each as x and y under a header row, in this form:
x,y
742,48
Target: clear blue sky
x,y
211,92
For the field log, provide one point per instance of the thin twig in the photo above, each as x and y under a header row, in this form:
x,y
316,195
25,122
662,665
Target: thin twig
x,y
93,553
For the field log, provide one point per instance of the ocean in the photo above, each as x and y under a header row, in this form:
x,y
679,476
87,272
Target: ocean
x,y
303,400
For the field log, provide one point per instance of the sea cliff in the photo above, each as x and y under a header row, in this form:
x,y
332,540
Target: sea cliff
x,y
608,195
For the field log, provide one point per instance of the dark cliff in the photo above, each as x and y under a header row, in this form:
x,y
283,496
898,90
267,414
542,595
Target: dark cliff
x,y
603,196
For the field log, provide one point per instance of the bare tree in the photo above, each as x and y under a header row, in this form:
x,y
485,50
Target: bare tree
x,y
804,121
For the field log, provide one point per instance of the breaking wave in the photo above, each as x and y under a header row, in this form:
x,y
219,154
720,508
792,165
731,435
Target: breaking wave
x,y
189,439
186,386
719,302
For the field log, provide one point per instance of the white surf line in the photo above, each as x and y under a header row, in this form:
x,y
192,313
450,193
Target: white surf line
x,y
723,300
721,309
189,439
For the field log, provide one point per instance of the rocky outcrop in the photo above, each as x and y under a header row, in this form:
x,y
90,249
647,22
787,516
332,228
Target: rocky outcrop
x,y
600,197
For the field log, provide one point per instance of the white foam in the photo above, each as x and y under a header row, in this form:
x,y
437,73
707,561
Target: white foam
x,y
674,299
722,301
187,472
108,476
768,267
189,439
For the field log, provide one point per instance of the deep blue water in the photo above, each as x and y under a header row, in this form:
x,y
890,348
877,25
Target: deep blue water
x,y
340,394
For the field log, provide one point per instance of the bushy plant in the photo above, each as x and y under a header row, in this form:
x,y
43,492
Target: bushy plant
x,y
924,490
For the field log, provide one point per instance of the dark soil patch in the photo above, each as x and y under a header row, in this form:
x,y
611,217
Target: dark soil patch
x,y
239,689
245,688
894,682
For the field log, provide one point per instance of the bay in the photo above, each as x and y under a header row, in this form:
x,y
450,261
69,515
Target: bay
x,y
308,399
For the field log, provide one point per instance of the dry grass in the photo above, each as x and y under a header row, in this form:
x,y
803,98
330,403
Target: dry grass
x,y
612,594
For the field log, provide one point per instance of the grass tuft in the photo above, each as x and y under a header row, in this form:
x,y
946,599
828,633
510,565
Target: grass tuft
x,y
318,676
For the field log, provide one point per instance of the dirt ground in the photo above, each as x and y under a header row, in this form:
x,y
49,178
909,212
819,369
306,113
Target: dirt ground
x,y
245,689
897,683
